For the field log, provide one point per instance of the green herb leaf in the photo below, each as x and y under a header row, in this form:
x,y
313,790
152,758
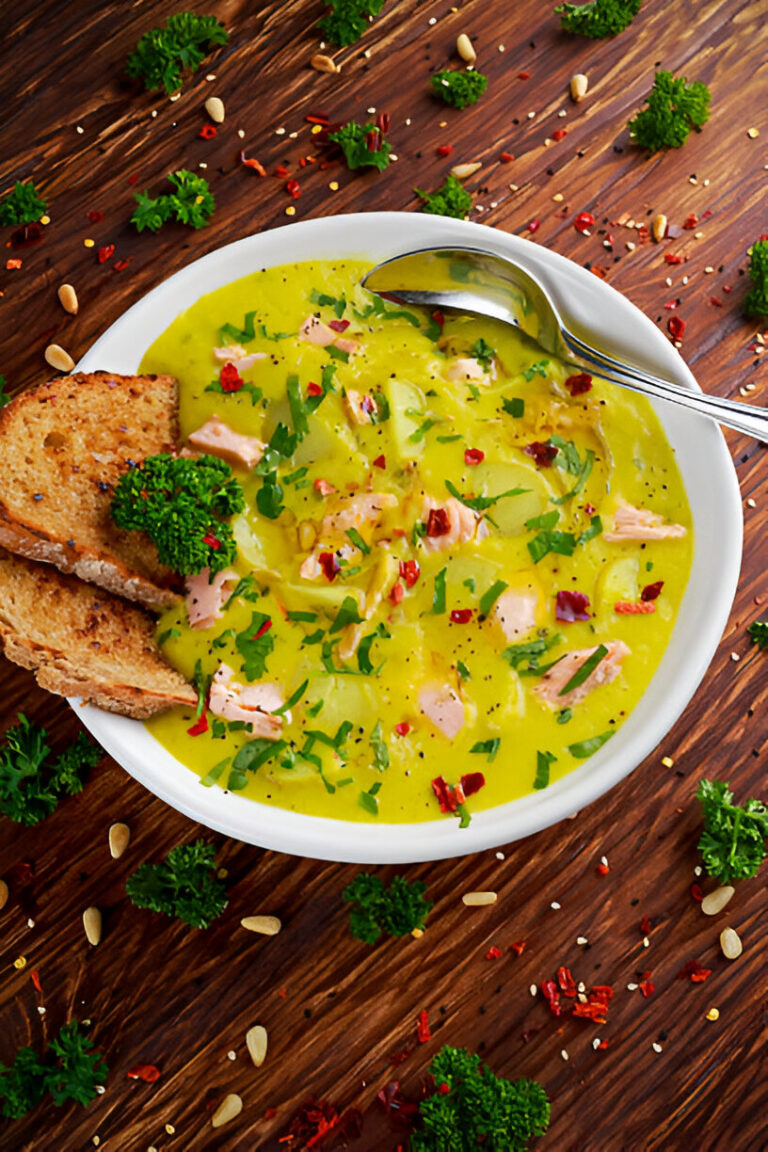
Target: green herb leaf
x,y
480,503
489,598
292,700
487,747
459,89
337,303
254,754
190,203
452,199
379,747
543,761
22,205
462,670
515,406
586,748
353,139
358,541
211,777
269,498
732,844
756,300
483,352
32,784
595,528
255,648
528,654
184,885
348,20
163,54
585,670
305,617
397,911
546,521
599,18
562,543
438,599
347,614
673,108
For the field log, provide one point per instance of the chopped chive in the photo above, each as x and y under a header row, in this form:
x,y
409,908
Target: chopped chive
x,y
309,617
586,747
514,406
358,541
462,670
585,670
438,599
294,699
489,747
211,777
489,598
543,761
369,803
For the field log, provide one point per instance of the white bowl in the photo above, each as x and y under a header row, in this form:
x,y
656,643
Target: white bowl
x,y
709,478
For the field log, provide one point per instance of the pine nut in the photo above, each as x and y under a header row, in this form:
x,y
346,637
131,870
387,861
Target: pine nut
x,y
578,86
466,49
478,899
68,299
58,358
322,63
92,925
230,1107
714,902
462,171
3,893
307,535
119,839
731,944
659,230
266,925
215,109
256,1043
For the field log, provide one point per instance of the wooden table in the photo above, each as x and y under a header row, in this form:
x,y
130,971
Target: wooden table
x,y
161,993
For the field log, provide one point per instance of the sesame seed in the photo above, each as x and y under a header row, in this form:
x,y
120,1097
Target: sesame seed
x,y
30,923
564,1054
231,1055
95,1140
393,156
657,1047
713,1014
604,861
153,113
500,856
211,77
501,48
558,197
753,133
176,96
581,940
407,122
708,270
735,657
697,870
432,20
79,130
513,187
555,905
533,990
581,986
685,279
241,133
751,503
371,111
20,962
562,112
667,761
646,942
279,131
531,115
293,135
596,1043
41,1010
45,219
100,1089
202,164
290,210
631,987
698,235
334,185
170,1129
89,243
692,180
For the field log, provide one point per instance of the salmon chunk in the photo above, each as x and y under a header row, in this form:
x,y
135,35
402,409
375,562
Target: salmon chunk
x,y
365,509
441,705
632,523
218,438
235,354
515,612
206,598
551,683
251,703
462,524
360,407
315,331
466,368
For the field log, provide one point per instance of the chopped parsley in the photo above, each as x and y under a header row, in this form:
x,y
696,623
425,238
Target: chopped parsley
x,y
397,910
543,761
460,89
526,656
561,543
357,540
756,300
514,406
190,203
347,614
585,748
22,205
379,748
353,139
488,748
245,388
438,599
489,598
348,20
32,782
483,353
480,503
673,108
732,844
364,650
70,1070
537,369
242,335
255,643
338,304
162,54
252,756
585,670
452,199
599,18
184,885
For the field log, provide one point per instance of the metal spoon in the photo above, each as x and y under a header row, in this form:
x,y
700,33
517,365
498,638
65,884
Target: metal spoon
x,y
484,284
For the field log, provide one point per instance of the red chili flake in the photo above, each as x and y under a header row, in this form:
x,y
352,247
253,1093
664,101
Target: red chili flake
x,y
534,225
444,1089
671,258
523,75
551,993
373,140
446,796
318,118
444,149
694,971
651,591
603,1045
397,592
270,1114
380,462
697,893
265,627
671,305
282,171
329,563
382,122
602,992
230,379
422,1027
439,318
518,947
579,383
95,216
146,1072
506,157
571,606
559,134
472,782
338,325
602,869
323,487
592,1010
676,327
199,727
208,132
438,522
566,982
252,163
634,608
542,452
589,509
134,178
474,456
293,188
121,265
212,541
493,953
716,301
647,987
690,221
12,263
645,925
35,978
314,389
583,222
727,288
461,615
599,271
403,728
410,571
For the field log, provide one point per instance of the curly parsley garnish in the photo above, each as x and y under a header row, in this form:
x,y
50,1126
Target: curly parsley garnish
x,y
674,107
397,910
732,844
347,20
162,54
598,19
460,89
22,205
363,145
32,783
450,200
756,300
184,885
190,203
71,1070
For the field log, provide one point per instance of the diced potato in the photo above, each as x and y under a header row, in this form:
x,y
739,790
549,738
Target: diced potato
x,y
403,397
511,513
319,596
618,581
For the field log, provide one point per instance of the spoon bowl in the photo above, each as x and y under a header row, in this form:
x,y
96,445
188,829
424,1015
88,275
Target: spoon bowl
x,y
483,283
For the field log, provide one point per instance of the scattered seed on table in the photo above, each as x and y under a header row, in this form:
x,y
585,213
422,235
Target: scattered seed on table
x,y
731,944
230,1107
657,1047
714,902
265,925
214,106
478,899
556,905
119,837
256,1043
713,1014
578,86
4,892
68,299
465,48
92,925
58,358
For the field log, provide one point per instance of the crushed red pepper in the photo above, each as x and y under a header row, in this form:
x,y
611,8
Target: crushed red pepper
x,y
676,327
146,1072
106,253
474,456
461,615
579,383
694,971
208,132
541,452
438,523
518,947
493,953
230,379
422,1027
199,727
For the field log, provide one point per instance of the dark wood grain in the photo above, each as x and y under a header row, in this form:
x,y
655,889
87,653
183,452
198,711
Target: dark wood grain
x,y
335,1010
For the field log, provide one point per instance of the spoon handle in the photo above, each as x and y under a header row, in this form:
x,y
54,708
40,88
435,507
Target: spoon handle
x,y
751,420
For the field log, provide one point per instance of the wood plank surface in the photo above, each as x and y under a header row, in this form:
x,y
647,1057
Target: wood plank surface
x,y
159,992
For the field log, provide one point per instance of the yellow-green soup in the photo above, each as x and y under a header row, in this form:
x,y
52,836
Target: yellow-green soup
x,y
429,491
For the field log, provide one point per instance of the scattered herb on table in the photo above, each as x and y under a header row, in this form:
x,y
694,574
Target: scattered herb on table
x,y
450,200
71,1070
184,885
163,54
362,145
756,300
732,844
347,20
183,505
4,397
674,107
22,205
459,89
190,203
398,910
32,783
599,18
471,1107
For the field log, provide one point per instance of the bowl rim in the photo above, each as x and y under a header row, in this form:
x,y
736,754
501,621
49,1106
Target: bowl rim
x,y
711,486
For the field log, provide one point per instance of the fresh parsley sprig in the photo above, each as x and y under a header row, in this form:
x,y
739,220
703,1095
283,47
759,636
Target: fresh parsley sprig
x,y
162,55
70,1070
460,89
673,108
190,203
347,20
32,783
184,885
22,205
599,18
756,300
732,844
450,200
363,145
4,397
398,910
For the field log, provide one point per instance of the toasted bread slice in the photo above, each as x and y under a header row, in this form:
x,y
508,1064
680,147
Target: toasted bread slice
x,y
83,641
63,447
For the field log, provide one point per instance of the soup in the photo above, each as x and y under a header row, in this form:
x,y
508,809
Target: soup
x,y
458,566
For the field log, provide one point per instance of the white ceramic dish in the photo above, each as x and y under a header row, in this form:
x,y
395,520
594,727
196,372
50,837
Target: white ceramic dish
x,y
709,478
